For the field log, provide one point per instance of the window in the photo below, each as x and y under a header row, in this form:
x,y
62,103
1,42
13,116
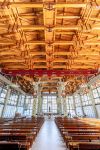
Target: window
x,y
96,92
3,92
88,110
28,105
86,100
49,104
9,112
70,106
77,100
21,100
13,98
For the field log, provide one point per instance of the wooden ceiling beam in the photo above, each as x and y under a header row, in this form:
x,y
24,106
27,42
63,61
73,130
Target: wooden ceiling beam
x,y
38,60
49,44
41,5
77,60
40,66
64,32
78,67
76,17
53,43
87,60
10,67
81,53
37,53
38,27
6,53
12,60
67,17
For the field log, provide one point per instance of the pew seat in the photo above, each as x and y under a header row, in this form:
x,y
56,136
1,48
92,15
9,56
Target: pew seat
x,y
4,145
83,145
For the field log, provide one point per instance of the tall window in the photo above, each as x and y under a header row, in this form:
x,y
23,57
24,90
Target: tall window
x,y
70,106
11,105
28,105
96,92
49,104
3,91
78,105
86,100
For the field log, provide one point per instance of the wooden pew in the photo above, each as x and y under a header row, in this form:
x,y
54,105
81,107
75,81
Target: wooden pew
x,y
84,145
79,132
19,133
14,145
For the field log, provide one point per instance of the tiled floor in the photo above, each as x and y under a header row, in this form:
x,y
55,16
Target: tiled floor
x,y
49,138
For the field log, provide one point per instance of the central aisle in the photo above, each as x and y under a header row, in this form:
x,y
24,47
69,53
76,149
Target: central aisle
x,y
49,138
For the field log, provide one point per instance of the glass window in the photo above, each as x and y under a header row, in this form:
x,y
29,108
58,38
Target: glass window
x,y
3,94
86,99
96,92
9,112
49,104
13,98
28,105
70,106
88,110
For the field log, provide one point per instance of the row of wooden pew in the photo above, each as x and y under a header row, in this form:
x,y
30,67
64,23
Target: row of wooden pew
x,y
20,133
80,134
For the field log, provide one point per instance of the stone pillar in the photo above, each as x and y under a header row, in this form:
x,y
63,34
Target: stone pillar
x,y
39,100
24,105
74,104
81,104
59,108
40,104
34,106
6,101
64,105
57,105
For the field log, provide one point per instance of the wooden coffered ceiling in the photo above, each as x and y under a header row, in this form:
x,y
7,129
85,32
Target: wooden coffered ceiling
x,y
50,35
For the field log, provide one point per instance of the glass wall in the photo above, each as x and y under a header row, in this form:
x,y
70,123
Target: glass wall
x,y
76,104
70,106
11,107
96,95
3,91
28,106
84,105
87,105
49,104
16,103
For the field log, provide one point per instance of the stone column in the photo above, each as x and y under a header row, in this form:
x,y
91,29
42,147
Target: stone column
x,y
64,105
39,100
34,106
59,108
24,105
74,104
81,104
